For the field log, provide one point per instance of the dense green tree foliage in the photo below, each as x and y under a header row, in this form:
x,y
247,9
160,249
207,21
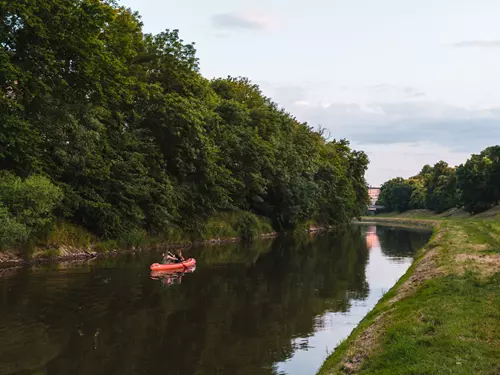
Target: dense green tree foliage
x,y
396,194
26,206
479,180
475,186
123,125
440,187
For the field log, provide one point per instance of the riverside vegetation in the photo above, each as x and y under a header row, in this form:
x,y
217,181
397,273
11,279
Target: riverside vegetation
x,y
442,317
111,134
473,186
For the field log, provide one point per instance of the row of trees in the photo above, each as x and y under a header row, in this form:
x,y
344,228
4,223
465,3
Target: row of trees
x,y
132,137
474,185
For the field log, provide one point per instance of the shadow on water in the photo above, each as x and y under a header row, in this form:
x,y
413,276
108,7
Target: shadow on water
x,y
244,310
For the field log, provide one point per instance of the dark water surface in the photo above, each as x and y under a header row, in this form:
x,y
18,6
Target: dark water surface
x,y
274,307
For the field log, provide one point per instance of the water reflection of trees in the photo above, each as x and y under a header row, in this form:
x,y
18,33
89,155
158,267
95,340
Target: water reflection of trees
x,y
226,319
398,242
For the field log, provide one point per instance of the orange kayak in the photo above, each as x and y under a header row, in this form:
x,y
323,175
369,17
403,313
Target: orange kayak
x,y
174,266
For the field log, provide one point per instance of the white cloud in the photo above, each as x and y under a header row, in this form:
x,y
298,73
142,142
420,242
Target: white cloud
x,y
478,43
303,103
291,94
402,91
247,20
457,128
400,135
406,159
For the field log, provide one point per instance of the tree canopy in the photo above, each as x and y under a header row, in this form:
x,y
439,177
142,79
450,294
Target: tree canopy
x,y
132,136
474,185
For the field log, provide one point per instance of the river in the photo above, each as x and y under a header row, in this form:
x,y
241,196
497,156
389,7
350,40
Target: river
x,y
272,307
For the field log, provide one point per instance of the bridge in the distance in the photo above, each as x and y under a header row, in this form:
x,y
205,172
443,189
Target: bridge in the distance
x,y
373,193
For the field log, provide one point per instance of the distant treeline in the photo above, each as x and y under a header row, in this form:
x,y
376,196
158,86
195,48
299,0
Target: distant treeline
x,y
475,186
116,131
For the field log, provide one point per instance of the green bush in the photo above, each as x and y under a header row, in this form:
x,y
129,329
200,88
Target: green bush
x,y
106,246
64,233
30,202
242,224
173,234
11,232
219,226
26,207
133,238
248,226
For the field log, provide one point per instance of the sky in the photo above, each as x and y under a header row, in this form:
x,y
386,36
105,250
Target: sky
x,y
409,82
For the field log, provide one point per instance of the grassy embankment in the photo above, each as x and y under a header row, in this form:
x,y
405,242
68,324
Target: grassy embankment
x,y
443,315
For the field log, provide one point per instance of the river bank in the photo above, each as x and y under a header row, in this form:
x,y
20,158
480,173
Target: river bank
x,y
64,253
442,316
69,253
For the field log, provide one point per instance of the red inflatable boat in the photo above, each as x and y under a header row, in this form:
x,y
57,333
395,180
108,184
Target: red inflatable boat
x,y
188,263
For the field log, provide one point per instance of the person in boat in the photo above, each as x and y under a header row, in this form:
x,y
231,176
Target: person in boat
x,y
174,258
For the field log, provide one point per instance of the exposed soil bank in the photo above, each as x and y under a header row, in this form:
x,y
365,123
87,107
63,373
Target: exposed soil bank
x,y
442,316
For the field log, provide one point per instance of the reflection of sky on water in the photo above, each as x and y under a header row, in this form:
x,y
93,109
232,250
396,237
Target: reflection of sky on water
x,y
382,272
372,238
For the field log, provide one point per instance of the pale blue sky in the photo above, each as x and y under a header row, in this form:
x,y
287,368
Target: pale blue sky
x,y
409,82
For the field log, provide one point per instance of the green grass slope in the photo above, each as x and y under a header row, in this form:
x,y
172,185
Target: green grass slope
x,y
442,317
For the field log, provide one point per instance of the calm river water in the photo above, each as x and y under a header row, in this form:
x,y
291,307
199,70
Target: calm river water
x,y
274,307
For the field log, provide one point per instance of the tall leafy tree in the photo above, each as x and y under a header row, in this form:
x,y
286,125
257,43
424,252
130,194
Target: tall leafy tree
x,y
474,185
396,194
123,125
478,180
440,186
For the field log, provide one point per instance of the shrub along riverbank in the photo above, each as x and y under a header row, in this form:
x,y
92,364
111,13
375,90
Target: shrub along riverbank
x,y
66,241
113,132
442,317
